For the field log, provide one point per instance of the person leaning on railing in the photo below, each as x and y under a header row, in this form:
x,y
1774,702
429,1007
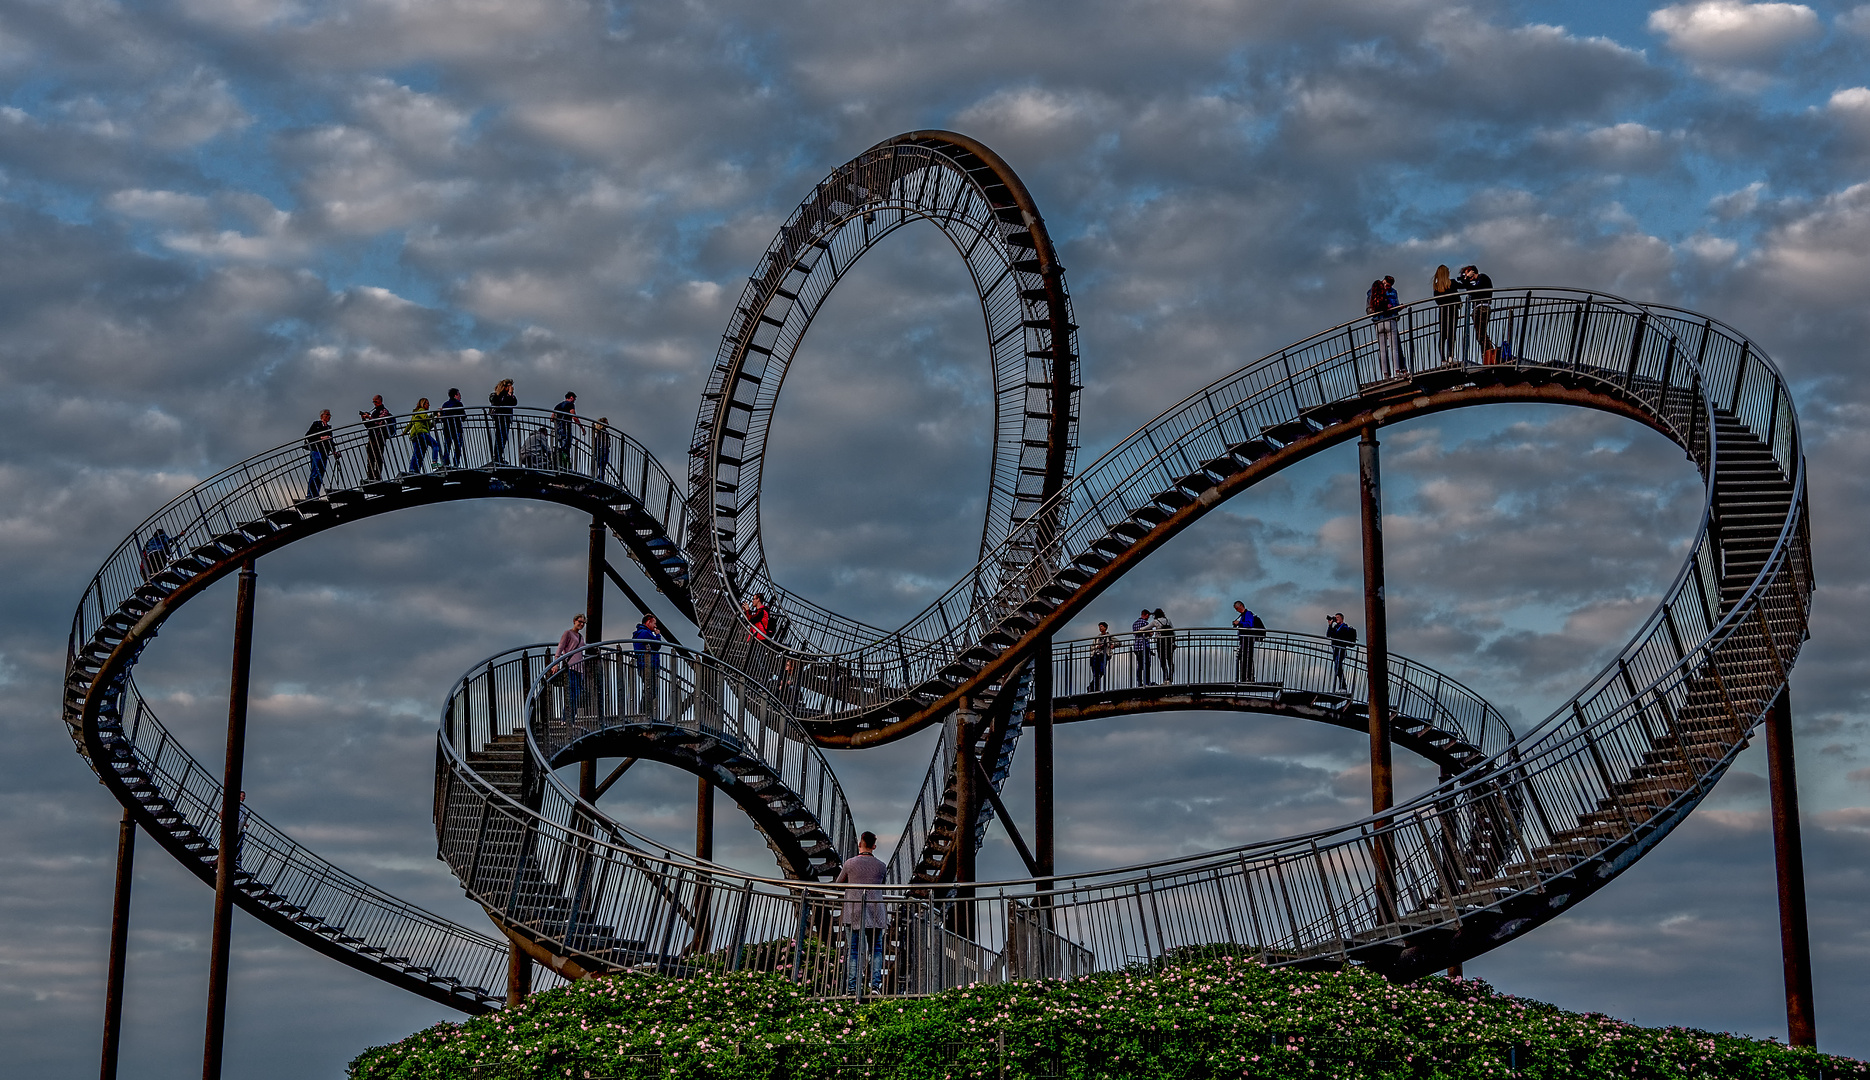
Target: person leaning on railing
x,y
1448,306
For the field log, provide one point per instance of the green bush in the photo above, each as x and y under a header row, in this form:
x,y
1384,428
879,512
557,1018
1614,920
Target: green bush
x,y
1218,1017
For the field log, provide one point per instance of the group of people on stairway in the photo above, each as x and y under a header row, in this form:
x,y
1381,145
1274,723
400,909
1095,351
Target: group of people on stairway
x,y
1152,648
438,436
568,658
1451,291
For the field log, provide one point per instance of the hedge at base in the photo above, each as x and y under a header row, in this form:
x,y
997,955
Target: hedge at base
x,y
1218,1017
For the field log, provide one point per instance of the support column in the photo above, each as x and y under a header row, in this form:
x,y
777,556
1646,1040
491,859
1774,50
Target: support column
x,y
594,584
704,820
1789,860
518,975
1376,624
227,859
119,946
1042,807
967,799
1376,651
593,631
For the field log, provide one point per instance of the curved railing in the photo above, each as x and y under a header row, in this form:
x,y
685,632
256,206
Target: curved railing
x,y
1291,664
526,847
279,481
1654,357
1544,821
275,498
979,203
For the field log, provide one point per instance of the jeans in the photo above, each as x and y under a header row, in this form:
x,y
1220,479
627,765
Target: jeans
x,y
1387,355
1337,666
454,449
1098,662
574,690
1450,314
1480,313
317,482
600,464
502,426
1243,659
1139,665
424,440
864,957
1165,658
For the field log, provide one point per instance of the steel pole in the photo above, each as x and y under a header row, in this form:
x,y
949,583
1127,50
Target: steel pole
x,y
518,975
1043,821
593,631
704,820
1376,624
227,858
119,946
1789,860
1377,659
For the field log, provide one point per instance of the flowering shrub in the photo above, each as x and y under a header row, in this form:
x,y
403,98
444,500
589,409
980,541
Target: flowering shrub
x,y
1223,1017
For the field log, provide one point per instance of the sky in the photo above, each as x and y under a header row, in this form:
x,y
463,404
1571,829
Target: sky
x,y
220,216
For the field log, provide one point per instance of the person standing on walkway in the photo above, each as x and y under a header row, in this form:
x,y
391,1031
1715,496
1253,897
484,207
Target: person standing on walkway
x,y
600,447
1250,630
501,402
1380,303
377,425
1139,649
1102,648
1343,635
863,916
1480,296
647,645
421,432
1165,644
1448,306
319,445
564,415
453,411
571,659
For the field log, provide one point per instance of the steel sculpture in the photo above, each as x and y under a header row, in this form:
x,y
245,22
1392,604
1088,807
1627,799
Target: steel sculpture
x,y
1521,826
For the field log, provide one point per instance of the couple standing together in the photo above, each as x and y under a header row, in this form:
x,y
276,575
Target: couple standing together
x,y
1383,306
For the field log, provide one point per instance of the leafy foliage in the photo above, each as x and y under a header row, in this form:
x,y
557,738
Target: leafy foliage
x,y
1224,1016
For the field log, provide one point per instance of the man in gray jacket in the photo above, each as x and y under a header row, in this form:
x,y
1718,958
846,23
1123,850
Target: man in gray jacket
x,y
864,916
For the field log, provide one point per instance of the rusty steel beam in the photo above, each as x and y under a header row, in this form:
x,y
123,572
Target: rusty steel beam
x,y
227,859
119,946
1044,822
1789,861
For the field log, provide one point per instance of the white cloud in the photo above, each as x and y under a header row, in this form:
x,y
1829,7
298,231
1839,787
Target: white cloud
x,y
1856,20
1731,32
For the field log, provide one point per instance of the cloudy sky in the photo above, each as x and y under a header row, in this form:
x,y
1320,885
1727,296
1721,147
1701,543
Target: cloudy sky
x,y
220,216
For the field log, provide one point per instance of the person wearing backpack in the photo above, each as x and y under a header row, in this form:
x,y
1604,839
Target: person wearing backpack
x,y
1380,302
1250,630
